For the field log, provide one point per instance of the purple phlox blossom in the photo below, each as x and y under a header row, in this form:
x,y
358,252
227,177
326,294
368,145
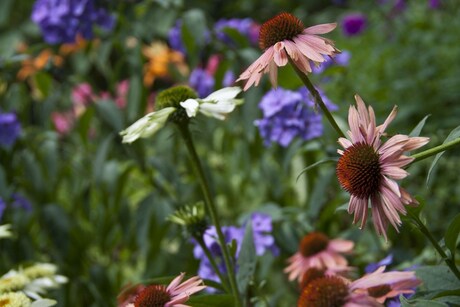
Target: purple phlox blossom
x,y
60,21
201,81
384,262
10,129
286,115
175,37
246,27
262,228
341,59
354,24
263,241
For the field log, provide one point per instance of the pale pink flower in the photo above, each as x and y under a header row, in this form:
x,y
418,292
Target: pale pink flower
x,y
382,285
173,295
317,251
370,290
283,37
122,94
82,94
368,168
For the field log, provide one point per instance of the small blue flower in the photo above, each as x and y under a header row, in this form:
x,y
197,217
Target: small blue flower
x,y
201,81
354,24
60,21
374,266
2,208
175,37
10,129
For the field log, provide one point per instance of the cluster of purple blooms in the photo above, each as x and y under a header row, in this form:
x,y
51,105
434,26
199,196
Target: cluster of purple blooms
x,y
10,129
60,21
263,241
288,114
246,27
201,81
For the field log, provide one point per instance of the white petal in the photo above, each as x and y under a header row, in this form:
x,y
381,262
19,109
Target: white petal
x,y
191,107
225,93
218,110
147,125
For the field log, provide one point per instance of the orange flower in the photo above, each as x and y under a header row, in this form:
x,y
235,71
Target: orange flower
x,y
32,65
160,56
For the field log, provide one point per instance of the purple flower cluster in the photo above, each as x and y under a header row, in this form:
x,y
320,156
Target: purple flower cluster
x,y
288,114
2,208
60,21
175,37
201,81
263,241
246,27
10,128
354,24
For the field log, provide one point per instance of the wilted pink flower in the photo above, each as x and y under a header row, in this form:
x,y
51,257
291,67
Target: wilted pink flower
x,y
173,295
317,251
368,168
368,291
284,37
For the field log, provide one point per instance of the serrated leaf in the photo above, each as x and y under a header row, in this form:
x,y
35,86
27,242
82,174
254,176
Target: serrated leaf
x,y
246,260
451,236
454,134
416,131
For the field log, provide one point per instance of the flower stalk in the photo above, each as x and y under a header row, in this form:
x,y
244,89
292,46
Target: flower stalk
x,y
416,220
211,208
435,150
317,97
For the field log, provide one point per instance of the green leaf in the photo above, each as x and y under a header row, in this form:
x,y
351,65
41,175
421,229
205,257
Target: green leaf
x,y
452,136
451,236
221,300
101,157
419,303
246,260
43,82
455,292
111,114
315,165
416,131
437,277
194,34
134,98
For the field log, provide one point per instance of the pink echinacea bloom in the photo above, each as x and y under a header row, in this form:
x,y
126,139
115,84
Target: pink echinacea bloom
x,y
368,168
370,290
316,250
283,37
173,295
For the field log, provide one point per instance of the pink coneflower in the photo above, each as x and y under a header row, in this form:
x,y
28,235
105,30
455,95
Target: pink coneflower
x,y
173,295
369,291
368,168
285,36
317,251
383,285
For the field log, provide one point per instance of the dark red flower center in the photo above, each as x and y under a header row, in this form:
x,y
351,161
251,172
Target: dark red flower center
x,y
310,275
324,292
152,296
313,243
281,27
358,170
379,291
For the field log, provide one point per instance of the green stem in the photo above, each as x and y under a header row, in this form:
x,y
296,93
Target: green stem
x,y
213,262
196,164
318,100
435,150
435,244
